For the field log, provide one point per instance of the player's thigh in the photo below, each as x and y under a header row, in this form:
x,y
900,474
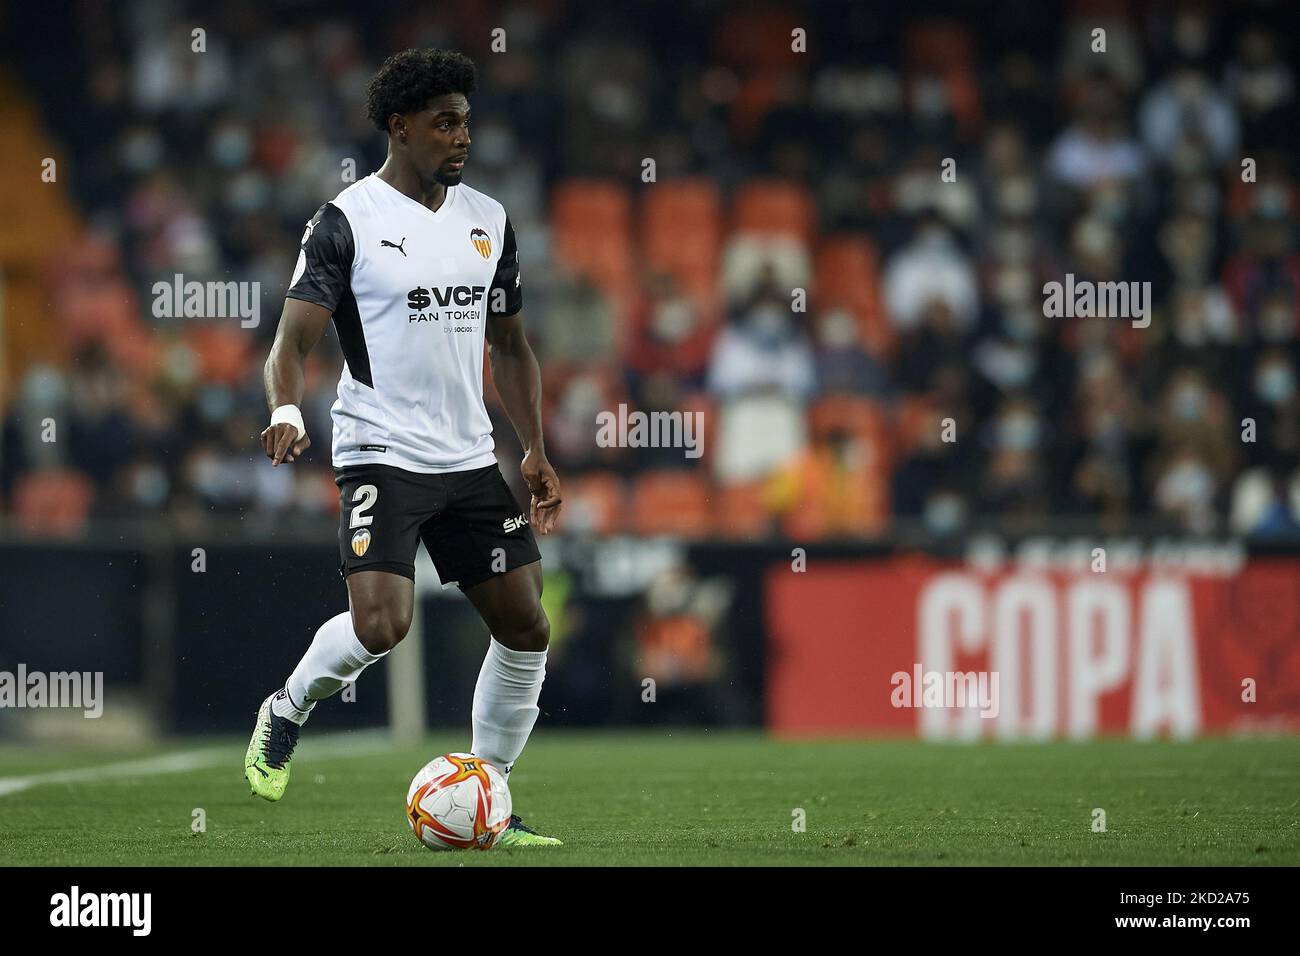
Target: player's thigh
x,y
381,510
382,604
511,606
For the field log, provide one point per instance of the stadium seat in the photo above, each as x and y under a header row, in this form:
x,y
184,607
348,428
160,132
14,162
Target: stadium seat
x,y
774,206
94,309
137,350
606,261
222,352
598,208
742,512
847,275
594,503
848,269
682,234
671,502
592,235
55,501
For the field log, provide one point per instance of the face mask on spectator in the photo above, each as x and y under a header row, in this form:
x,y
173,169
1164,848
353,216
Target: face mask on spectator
x,y
1190,403
1110,204
1275,383
1013,285
944,513
1017,196
1189,327
44,388
1276,323
1188,483
934,236
215,403
673,321
1021,324
149,485
838,331
769,323
1108,429
1018,431
230,147
207,476
582,399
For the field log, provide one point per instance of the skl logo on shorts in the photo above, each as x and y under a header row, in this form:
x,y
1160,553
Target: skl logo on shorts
x,y
481,242
511,524
360,542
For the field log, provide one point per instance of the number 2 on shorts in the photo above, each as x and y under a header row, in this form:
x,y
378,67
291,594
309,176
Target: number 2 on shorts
x,y
366,494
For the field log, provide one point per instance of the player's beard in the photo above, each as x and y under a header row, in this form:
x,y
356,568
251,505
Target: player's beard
x,y
444,178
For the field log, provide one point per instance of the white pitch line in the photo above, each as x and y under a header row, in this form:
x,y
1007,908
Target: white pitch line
x,y
335,745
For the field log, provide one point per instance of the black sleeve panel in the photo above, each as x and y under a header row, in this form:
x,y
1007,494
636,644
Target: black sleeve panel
x,y
507,278
324,271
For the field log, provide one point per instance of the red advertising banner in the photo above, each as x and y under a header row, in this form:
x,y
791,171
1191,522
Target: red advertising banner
x,y
946,650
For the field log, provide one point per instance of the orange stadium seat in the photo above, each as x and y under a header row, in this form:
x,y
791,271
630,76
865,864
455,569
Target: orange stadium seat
x,y
137,350
55,501
742,511
848,276
596,207
682,233
774,206
222,352
847,270
671,502
607,262
594,503
591,227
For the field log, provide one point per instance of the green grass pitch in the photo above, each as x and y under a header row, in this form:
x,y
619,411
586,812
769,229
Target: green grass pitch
x,y
680,798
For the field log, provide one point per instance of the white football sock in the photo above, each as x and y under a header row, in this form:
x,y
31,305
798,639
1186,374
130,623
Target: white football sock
x,y
505,703
336,658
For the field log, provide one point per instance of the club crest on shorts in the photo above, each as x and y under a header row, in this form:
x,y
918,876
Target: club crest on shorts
x,y
481,242
361,542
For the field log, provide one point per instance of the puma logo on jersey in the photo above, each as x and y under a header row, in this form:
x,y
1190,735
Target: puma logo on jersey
x,y
394,245
514,524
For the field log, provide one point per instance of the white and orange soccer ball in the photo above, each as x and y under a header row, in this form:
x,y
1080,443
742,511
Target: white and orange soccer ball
x,y
458,802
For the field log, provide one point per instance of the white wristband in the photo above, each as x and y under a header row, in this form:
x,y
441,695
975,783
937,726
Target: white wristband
x,y
290,414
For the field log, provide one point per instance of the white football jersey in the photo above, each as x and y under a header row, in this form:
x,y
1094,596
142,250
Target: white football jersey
x,y
410,290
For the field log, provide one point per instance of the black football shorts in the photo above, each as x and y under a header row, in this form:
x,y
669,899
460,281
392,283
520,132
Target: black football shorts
x,y
469,521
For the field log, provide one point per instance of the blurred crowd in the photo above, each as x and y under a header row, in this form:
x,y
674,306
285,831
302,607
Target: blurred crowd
x,y
839,261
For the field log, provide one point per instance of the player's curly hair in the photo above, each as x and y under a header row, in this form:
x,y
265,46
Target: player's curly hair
x,y
408,80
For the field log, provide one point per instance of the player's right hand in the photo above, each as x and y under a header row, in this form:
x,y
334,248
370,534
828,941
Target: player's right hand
x,y
281,442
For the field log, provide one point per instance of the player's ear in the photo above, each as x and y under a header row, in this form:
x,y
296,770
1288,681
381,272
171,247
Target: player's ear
x,y
397,126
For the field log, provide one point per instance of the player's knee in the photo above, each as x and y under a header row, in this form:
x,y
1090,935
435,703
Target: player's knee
x,y
533,633
380,629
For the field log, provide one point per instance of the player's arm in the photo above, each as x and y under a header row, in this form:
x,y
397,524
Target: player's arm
x,y
518,379
519,382
321,278
301,325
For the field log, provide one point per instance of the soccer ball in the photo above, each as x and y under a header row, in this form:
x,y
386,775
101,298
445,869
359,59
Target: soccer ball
x,y
458,802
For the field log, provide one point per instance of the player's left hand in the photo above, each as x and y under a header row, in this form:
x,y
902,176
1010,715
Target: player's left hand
x,y
545,487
